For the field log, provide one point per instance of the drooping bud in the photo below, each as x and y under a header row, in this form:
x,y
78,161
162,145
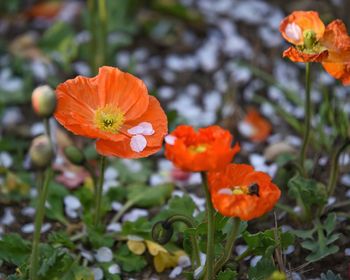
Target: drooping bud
x,y
44,101
74,155
162,232
41,152
309,38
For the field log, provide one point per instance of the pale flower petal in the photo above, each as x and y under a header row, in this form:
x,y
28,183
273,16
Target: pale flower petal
x,y
170,139
138,143
293,31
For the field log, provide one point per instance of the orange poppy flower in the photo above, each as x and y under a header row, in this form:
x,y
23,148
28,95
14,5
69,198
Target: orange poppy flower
x,y
114,108
207,149
313,42
239,191
255,126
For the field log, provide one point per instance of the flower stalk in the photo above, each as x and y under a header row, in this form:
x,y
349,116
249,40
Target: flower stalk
x,y
209,265
99,192
39,217
307,126
228,246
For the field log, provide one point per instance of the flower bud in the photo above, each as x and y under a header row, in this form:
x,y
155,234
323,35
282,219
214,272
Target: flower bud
x,y
44,101
40,152
74,155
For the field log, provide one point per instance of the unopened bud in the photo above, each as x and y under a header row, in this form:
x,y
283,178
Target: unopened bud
x,y
44,101
309,38
40,152
74,155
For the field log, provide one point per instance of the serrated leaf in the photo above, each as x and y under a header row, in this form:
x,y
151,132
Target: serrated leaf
x,y
330,276
128,261
320,254
329,223
60,238
263,269
227,274
14,249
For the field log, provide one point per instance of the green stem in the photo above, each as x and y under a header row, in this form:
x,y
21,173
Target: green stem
x,y
125,208
99,190
335,168
191,223
209,266
242,256
228,246
102,15
307,116
39,217
93,43
287,209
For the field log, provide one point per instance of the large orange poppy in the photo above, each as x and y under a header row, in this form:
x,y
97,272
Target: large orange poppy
x,y
239,191
313,42
206,149
113,107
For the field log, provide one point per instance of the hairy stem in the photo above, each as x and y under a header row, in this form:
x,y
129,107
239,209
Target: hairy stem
x,y
99,189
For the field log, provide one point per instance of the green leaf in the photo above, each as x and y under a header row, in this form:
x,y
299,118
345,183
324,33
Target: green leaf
x,y
128,261
330,222
55,198
227,274
99,238
14,249
330,276
141,227
322,253
309,191
263,269
145,196
60,238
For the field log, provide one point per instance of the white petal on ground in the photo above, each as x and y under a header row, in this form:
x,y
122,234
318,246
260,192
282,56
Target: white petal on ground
x,y
175,272
72,202
133,165
255,260
116,206
87,255
8,218
347,252
28,228
184,261
289,250
5,159
246,129
104,254
345,180
111,173
114,227
138,143
28,211
98,273
114,269
134,214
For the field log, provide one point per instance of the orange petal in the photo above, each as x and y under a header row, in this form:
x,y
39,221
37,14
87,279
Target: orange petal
x,y
340,71
296,56
76,101
293,26
123,90
155,116
244,206
337,41
262,128
122,148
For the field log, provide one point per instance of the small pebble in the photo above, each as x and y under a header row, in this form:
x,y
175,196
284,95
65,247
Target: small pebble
x,y
175,272
8,217
116,206
255,260
114,227
28,211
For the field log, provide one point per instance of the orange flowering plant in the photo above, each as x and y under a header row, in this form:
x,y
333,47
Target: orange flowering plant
x,y
113,107
239,191
207,149
234,190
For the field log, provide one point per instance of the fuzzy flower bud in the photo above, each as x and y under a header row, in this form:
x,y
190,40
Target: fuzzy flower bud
x,y
40,152
74,155
44,101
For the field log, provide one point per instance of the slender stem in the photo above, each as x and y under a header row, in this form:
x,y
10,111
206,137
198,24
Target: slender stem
x,y
242,256
209,266
39,217
228,246
122,210
92,26
307,116
191,223
287,209
335,168
99,189
102,15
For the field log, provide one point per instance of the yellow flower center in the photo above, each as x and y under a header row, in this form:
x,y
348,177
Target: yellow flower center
x,y
201,148
109,119
252,189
